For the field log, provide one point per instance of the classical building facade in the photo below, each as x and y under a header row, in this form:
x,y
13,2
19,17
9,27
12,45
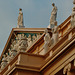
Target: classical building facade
x,y
40,51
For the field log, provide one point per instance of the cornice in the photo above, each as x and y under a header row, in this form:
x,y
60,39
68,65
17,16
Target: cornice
x,y
63,24
7,43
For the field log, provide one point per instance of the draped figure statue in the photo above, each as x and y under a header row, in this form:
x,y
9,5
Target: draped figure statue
x,y
47,41
53,16
20,19
73,15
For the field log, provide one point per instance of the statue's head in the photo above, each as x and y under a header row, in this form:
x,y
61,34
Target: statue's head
x,y
7,54
73,9
20,9
29,35
53,4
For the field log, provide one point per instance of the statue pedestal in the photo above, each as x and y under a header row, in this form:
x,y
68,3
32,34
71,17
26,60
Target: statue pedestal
x,y
19,26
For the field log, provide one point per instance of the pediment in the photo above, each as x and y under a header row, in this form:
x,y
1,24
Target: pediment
x,y
16,33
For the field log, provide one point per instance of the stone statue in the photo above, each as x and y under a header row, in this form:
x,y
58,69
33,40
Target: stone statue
x,y
73,16
29,40
55,33
38,35
20,19
23,44
14,48
18,37
53,16
47,41
8,57
9,52
13,52
13,43
34,38
4,62
22,36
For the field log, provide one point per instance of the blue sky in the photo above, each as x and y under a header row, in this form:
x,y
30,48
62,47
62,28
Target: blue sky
x,y
36,14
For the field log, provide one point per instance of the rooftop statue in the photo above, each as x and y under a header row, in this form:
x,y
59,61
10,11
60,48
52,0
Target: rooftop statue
x,y
73,15
20,19
53,16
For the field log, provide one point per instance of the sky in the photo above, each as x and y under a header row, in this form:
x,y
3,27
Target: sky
x,y
36,14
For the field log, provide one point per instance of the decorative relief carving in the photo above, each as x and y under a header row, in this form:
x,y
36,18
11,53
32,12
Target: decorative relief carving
x,y
19,43
7,57
67,68
4,62
13,53
34,38
29,40
18,37
38,35
23,43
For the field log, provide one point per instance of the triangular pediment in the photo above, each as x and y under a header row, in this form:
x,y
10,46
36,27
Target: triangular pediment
x,y
17,32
